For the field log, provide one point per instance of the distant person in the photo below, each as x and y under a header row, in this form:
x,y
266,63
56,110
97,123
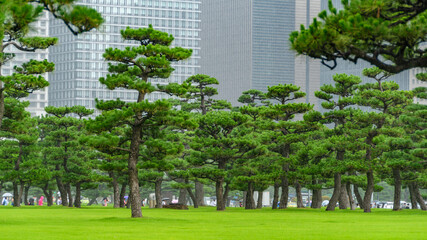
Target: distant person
x,y
5,202
31,202
105,202
59,201
41,201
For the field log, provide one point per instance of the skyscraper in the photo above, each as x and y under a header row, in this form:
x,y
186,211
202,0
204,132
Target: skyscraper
x,y
79,61
38,99
245,45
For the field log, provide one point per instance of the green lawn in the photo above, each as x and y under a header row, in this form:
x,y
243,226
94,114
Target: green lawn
x,y
235,223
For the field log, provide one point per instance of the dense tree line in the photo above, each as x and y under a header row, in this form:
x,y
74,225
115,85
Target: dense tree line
x,y
366,133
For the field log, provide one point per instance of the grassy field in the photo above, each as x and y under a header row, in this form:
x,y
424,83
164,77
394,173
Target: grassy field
x,y
205,223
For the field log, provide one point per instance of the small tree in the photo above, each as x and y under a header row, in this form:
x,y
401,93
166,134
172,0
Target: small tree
x,y
388,103
338,99
134,66
282,130
217,146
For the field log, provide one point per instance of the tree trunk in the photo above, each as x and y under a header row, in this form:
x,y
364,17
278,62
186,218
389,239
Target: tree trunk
x,y
250,202
285,193
62,190
276,195
16,202
337,185
200,193
412,196
369,191
336,194
158,192
182,199
343,200
420,199
122,195
26,190
259,202
49,196
92,201
316,201
134,196
48,193
193,197
358,196
350,196
300,204
116,193
70,197
220,205
225,195
397,189
77,202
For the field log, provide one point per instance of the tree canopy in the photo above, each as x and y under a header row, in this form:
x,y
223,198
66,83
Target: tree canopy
x,y
389,34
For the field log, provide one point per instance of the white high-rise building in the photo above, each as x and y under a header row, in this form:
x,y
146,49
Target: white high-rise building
x,y
38,99
79,62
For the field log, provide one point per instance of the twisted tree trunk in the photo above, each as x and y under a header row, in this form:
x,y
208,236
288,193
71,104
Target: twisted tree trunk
x,y
358,196
420,199
193,197
62,190
300,204
412,196
336,194
343,200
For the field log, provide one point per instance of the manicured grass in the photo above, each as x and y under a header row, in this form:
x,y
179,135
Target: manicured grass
x,y
205,223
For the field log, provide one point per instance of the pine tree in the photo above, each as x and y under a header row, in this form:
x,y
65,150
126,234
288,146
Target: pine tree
x,y
131,68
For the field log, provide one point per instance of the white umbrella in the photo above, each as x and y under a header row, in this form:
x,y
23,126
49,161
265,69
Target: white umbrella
x,y
7,195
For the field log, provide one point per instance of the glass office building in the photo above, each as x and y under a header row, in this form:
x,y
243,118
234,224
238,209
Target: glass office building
x,y
245,45
79,61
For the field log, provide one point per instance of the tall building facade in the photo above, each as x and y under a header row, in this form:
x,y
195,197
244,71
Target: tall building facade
x,y
79,61
245,45
38,99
